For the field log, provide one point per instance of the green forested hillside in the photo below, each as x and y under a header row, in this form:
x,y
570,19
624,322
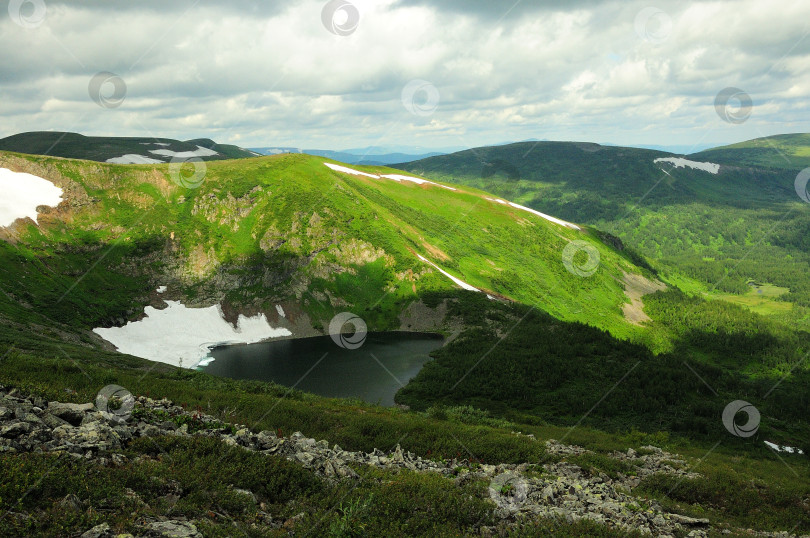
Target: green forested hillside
x,y
715,234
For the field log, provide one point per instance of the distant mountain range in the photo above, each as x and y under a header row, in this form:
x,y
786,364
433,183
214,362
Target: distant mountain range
x,y
145,150
365,156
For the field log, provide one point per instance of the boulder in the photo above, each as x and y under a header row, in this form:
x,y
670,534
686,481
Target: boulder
x,y
70,412
14,430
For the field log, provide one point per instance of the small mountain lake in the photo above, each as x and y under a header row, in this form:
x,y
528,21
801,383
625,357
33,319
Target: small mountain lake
x,y
373,372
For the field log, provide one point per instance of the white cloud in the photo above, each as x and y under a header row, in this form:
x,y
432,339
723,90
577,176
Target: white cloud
x,y
273,75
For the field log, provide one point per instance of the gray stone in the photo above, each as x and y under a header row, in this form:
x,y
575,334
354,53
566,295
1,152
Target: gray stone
x,y
246,493
71,503
174,529
52,421
70,412
15,429
99,531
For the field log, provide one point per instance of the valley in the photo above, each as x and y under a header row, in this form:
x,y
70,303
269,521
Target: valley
x,y
552,326
404,268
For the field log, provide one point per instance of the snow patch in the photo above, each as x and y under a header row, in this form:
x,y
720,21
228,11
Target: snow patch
x,y
459,282
352,171
199,152
396,177
183,336
162,289
679,162
131,158
418,181
280,311
555,220
23,193
788,449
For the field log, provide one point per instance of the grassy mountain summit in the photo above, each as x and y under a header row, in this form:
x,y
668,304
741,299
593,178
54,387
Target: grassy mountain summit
x,y
290,230
103,148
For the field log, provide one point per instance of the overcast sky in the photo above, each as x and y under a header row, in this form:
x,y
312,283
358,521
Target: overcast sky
x,y
438,73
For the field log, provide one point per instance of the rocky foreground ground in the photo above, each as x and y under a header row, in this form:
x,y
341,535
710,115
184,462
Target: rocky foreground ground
x,y
99,432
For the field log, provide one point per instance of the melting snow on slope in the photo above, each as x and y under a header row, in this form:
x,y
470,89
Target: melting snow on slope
x,y
182,336
788,449
418,181
132,158
346,170
22,193
555,220
395,177
199,152
679,162
448,275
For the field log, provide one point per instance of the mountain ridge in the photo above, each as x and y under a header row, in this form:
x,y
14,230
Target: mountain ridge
x,y
124,150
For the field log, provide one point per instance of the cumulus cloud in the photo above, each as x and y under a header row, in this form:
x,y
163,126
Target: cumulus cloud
x,y
271,73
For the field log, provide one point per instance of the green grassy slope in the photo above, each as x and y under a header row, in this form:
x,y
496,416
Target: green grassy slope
x,y
101,148
711,234
790,151
262,231
288,229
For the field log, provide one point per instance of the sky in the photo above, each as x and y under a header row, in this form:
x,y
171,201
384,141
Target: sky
x,y
407,73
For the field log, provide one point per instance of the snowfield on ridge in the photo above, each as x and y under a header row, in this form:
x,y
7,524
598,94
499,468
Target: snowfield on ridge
x,y
23,193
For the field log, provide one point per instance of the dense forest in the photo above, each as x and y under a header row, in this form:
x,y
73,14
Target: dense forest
x,y
558,372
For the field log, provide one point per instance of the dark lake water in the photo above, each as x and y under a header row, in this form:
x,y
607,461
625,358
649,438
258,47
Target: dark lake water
x,y
374,372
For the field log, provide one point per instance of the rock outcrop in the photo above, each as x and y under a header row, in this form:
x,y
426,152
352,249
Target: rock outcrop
x,y
520,492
